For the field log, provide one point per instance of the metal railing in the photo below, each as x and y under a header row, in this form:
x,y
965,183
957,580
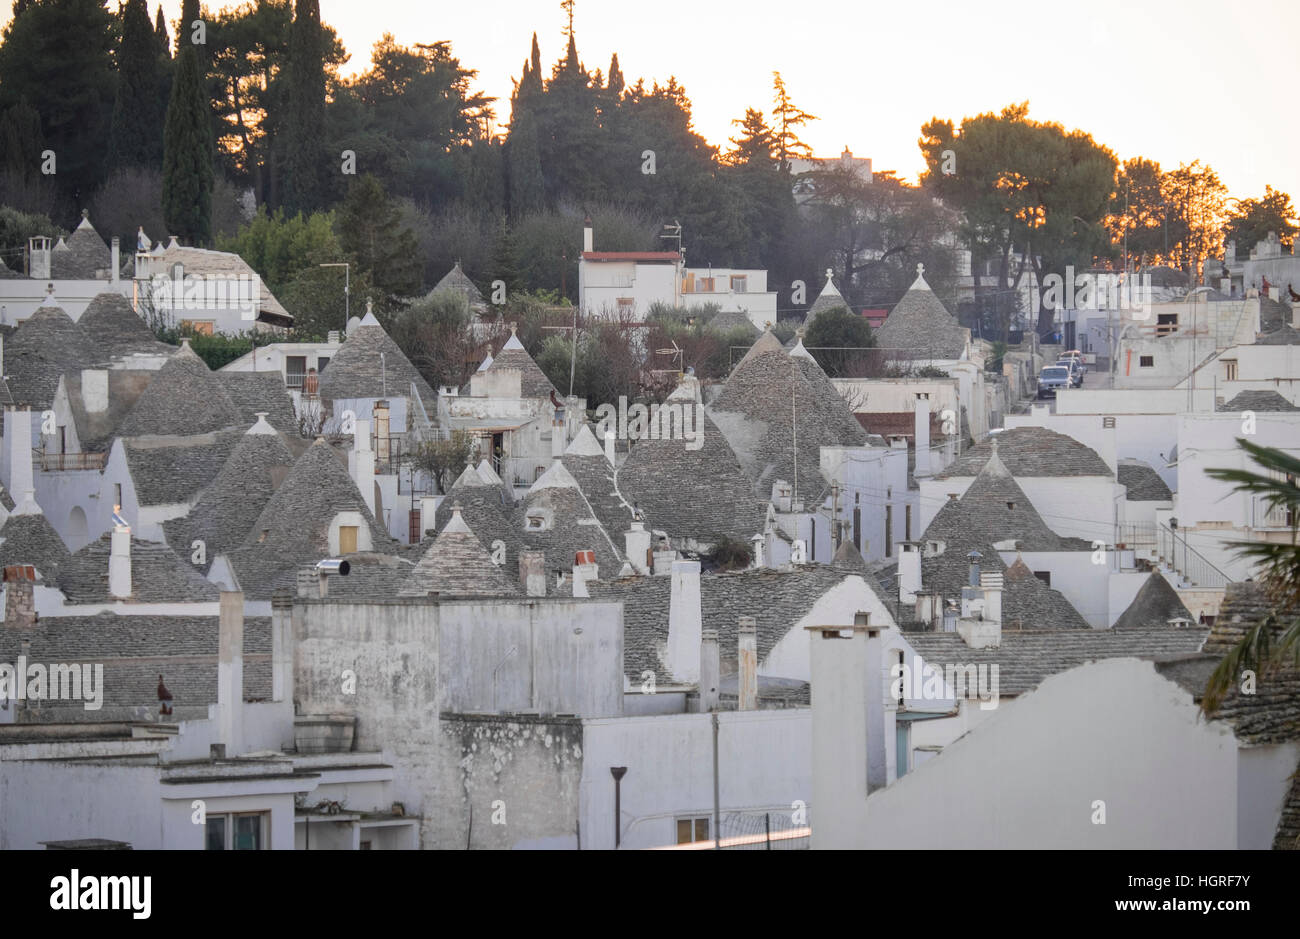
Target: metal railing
x,y
1173,550
1136,534
54,462
1271,516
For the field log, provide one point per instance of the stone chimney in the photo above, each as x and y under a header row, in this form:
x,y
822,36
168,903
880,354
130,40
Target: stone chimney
x,y
922,432
558,443
584,569
799,552
758,543
18,438
782,494
115,252
685,623
636,543
710,670
38,258
747,664
664,559
909,571
119,559
587,240
929,608
381,433
20,599
532,572
362,463
230,671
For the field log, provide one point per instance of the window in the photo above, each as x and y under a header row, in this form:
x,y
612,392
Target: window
x,y
198,327
117,494
907,523
1044,576
1146,361
739,283
243,831
1166,323
295,369
889,531
1230,369
691,830
321,362
704,285
348,539
901,663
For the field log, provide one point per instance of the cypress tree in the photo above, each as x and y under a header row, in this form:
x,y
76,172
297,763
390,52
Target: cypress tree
x,y
304,164
187,144
160,35
134,139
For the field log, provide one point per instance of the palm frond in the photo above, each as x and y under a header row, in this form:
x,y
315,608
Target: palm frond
x,y
1263,650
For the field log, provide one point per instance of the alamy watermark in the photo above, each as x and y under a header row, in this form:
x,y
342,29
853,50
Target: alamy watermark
x,y
182,291
1105,290
944,683
57,682
674,420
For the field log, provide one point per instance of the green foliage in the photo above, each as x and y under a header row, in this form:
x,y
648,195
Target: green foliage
x,y
842,335
58,58
443,460
217,349
281,247
994,362
134,140
1275,641
16,227
305,162
370,230
1253,219
187,147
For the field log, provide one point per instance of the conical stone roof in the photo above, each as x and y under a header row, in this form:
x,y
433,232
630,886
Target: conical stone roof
x,y
921,325
48,344
184,398
457,565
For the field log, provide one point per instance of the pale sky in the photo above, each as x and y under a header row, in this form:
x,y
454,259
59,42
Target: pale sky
x,y
1170,80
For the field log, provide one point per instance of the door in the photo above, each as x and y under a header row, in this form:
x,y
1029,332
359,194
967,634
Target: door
x,y
347,539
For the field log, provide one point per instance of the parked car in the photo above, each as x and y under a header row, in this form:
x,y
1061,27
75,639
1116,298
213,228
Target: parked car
x,y
1052,378
1076,354
1076,371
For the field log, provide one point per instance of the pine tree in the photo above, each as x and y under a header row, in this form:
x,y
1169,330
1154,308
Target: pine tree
x,y
134,140
304,185
614,87
187,144
788,117
370,229
160,34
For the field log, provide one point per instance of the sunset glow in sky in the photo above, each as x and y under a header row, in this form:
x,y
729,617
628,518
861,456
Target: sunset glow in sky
x,y
1170,80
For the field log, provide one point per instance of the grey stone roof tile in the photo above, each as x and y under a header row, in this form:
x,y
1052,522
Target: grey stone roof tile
x,y
1031,451
919,324
31,539
115,329
158,575
86,257
173,470
1258,401
48,344
185,397
1156,604
456,564
1142,483
252,392
357,371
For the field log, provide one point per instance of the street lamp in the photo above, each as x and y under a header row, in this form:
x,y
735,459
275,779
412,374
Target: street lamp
x,y
347,289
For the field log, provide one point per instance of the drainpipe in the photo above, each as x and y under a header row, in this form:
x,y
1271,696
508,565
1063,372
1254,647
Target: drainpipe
x,y
618,772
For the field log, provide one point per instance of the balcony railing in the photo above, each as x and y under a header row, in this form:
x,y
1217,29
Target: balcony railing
x,y
1194,567
53,462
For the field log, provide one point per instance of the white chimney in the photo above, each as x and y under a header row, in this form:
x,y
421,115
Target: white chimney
x,y
532,572
586,235
230,671
636,541
362,460
18,435
758,543
849,729
922,436
428,514
38,254
664,559
685,625
609,446
782,493
115,275
909,571
799,552
710,670
747,664
119,562
282,647
584,569
991,581
558,443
